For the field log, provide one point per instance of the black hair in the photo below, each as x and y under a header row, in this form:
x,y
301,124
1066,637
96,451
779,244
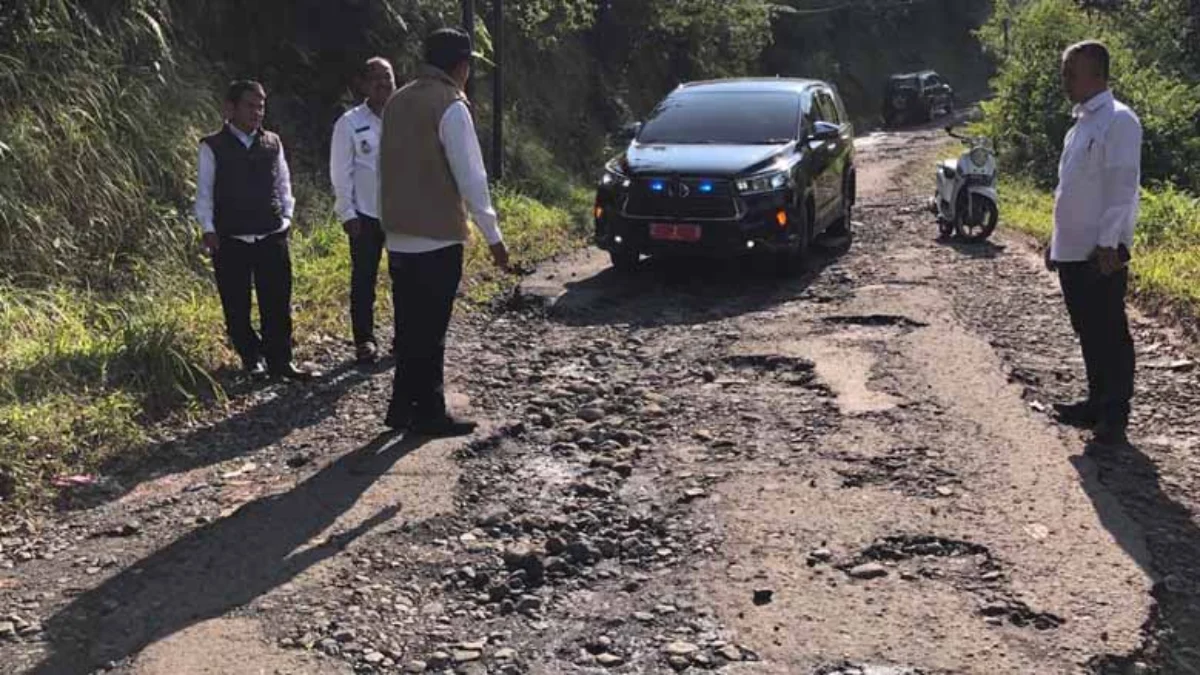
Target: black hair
x,y
447,48
1094,51
238,89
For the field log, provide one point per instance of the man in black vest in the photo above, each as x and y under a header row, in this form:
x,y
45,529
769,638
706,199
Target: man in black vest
x,y
244,204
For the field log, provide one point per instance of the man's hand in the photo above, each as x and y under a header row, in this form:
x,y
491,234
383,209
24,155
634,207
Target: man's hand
x,y
211,243
352,227
1108,260
1050,264
500,255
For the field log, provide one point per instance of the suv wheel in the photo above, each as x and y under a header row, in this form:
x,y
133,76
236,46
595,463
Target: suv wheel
x,y
841,227
791,260
624,259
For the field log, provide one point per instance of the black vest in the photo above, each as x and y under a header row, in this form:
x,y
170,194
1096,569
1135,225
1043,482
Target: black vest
x,y
244,198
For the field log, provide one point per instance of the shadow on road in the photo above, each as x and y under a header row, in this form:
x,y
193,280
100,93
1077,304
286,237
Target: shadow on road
x,y
980,250
219,567
682,291
290,407
1125,485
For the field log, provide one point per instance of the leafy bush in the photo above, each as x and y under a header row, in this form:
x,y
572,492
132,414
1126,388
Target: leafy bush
x,y
1029,116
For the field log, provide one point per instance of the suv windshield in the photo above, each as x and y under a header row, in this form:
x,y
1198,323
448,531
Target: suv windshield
x,y
743,118
904,82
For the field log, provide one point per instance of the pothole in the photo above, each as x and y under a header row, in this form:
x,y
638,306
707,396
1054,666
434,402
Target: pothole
x,y
1020,615
876,320
855,669
910,470
792,370
906,547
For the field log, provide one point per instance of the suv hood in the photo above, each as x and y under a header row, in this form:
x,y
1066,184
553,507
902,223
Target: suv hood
x,y
714,160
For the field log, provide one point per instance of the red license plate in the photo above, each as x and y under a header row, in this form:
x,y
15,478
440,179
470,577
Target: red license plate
x,y
675,232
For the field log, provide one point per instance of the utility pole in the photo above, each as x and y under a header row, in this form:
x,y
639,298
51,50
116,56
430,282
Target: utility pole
x,y
498,89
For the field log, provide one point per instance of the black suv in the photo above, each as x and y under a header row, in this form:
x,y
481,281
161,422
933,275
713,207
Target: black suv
x,y
916,97
731,167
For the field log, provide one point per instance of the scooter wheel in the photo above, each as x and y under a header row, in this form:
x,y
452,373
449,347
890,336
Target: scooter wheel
x,y
979,222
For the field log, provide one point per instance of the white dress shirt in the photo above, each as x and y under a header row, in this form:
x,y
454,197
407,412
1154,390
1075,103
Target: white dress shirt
x,y
457,134
354,163
1099,177
207,179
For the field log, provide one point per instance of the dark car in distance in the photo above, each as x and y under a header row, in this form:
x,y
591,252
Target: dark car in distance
x,y
731,167
916,97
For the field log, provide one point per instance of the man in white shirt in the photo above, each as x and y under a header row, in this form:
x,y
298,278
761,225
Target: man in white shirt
x,y
1095,209
432,184
244,204
354,172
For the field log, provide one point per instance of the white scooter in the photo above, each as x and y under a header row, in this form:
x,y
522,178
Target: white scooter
x,y
966,199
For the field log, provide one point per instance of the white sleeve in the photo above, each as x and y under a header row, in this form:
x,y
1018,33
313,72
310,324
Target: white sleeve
x,y
1121,179
457,133
206,174
283,187
341,170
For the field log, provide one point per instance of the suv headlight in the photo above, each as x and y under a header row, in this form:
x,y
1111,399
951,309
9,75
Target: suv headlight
x,y
767,182
979,156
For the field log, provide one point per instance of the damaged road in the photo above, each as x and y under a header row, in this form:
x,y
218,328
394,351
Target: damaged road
x,y
692,467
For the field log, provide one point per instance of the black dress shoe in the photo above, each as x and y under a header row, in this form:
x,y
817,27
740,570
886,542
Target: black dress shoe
x,y
291,372
256,368
1081,414
397,422
445,426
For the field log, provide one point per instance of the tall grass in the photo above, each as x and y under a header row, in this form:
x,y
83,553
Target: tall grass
x,y
1166,260
98,118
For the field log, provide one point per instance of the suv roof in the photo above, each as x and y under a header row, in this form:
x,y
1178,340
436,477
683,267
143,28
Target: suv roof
x,y
754,84
919,73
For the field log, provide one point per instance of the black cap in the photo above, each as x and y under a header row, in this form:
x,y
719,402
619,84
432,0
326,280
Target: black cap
x,y
445,48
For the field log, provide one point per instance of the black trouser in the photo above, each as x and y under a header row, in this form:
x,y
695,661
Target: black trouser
x,y
423,290
1096,304
365,252
265,265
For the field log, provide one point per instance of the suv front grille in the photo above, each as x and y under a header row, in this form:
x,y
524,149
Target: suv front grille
x,y
681,199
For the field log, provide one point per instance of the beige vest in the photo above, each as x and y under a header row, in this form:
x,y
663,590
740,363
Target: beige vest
x,y
417,192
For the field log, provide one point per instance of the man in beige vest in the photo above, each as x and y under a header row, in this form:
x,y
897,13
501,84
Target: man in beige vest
x,y
432,181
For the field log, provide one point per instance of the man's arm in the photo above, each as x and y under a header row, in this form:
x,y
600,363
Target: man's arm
x,y
283,187
1121,180
457,133
341,171
206,174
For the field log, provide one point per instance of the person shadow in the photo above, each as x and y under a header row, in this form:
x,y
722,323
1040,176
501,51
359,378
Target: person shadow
x,y
289,408
219,567
1160,534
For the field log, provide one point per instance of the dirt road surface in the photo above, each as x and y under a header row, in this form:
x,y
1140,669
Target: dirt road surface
x,y
693,467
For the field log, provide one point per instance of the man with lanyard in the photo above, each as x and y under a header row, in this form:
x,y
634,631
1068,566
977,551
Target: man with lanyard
x,y
354,172
244,204
431,177
1095,209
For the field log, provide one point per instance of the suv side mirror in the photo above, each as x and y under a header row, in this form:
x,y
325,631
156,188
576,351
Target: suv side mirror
x,y
629,132
825,131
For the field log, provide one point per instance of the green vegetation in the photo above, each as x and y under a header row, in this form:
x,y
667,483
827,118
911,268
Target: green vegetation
x,y
1157,72
109,322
